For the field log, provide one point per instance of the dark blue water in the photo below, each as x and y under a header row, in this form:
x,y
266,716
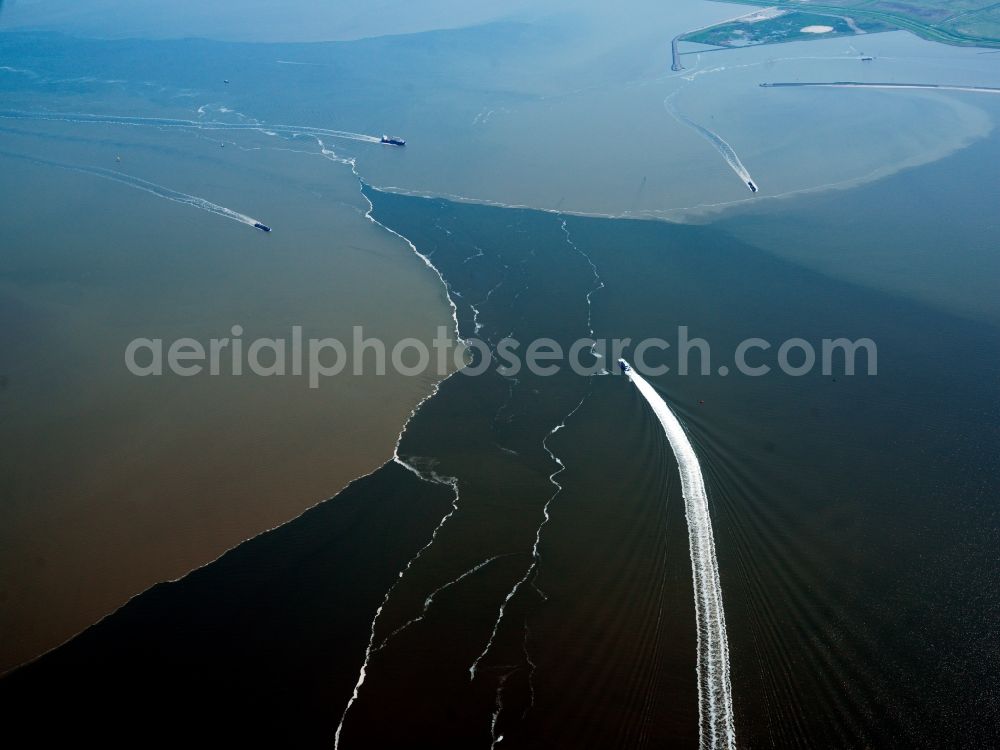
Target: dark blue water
x,y
854,522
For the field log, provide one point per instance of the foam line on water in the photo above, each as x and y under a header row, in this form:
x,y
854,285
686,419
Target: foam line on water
x,y
531,573
371,649
532,666
535,554
406,463
18,71
430,598
144,185
598,282
715,700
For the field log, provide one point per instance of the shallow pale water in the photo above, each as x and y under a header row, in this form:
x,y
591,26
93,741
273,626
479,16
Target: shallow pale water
x,y
112,482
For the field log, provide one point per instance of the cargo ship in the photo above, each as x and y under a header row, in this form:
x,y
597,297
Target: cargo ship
x,y
393,141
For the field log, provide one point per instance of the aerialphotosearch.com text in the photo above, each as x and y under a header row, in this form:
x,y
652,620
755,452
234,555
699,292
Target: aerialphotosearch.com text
x,y
320,358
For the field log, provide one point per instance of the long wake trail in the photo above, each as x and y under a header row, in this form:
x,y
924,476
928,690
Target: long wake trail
x,y
720,144
143,185
715,699
160,122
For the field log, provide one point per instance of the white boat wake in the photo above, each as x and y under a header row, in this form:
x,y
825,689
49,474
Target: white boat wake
x,y
720,144
147,187
715,700
159,122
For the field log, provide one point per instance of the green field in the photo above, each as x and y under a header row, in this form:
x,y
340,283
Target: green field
x,y
960,22
784,28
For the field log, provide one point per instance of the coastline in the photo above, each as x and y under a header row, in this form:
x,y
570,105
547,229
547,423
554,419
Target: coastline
x,y
227,458
588,514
